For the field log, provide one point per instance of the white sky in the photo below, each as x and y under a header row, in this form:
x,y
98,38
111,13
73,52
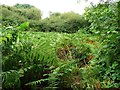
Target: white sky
x,y
52,5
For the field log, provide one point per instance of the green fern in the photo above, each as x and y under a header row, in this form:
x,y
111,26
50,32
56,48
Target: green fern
x,y
11,79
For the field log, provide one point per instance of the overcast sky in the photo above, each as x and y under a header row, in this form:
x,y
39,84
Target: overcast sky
x,y
52,5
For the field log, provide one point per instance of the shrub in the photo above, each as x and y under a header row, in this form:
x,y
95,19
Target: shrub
x,y
67,22
14,16
104,18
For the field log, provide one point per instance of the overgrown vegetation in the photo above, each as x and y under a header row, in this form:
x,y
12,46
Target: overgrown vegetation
x,y
15,15
69,22
64,51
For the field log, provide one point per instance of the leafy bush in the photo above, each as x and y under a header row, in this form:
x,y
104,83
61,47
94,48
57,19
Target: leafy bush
x,y
14,16
104,21
23,6
103,18
67,22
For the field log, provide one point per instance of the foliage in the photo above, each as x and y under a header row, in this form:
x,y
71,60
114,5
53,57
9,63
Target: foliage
x,y
24,26
31,55
67,22
100,13
108,58
12,15
86,59
23,5
12,77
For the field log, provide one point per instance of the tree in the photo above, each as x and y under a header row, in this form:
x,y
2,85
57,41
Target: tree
x,y
13,15
23,6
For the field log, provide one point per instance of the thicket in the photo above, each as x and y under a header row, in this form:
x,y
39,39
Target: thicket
x,y
86,59
104,20
20,13
42,60
69,22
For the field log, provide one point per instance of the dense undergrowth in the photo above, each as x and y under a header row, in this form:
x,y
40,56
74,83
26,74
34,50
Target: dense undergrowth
x,y
86,59
46,54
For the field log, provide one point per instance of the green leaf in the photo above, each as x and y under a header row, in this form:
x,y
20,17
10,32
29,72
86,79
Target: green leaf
x,y
23,26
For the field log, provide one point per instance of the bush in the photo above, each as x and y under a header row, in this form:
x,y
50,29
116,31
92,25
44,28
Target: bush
x,y
104,22
67,22
14,16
